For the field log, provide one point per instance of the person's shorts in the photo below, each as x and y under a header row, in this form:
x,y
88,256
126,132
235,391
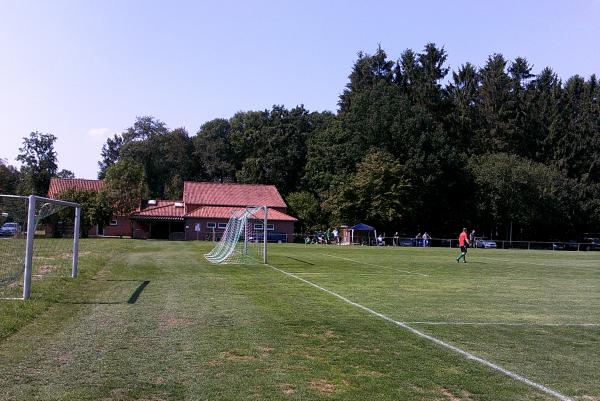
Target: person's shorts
x,y
463,249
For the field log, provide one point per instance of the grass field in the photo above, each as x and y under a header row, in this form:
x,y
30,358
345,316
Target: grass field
x,y
151,320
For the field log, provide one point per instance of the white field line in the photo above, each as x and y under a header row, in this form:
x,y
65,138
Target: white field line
x,y
537,264
345,274
523,324
372,264
434,340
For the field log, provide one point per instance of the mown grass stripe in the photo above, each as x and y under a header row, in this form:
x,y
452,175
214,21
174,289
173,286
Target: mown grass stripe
x,y
372,264
451,347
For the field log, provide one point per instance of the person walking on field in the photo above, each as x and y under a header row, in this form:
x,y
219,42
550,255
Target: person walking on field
x,y
463,242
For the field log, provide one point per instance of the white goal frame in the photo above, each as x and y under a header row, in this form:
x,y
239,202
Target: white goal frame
x,y
28,265
238,227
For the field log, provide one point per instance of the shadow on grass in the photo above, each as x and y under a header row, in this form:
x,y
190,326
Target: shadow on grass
x,y
131,300
300,260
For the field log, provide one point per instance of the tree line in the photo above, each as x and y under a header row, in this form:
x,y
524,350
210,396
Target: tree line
x,y
413,146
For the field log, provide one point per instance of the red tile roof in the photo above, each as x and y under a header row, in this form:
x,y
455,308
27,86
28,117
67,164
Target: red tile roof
x,y
218,194
164,209
58,185
225,212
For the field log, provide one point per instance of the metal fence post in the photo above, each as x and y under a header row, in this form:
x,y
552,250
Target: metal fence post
x,y
76,240
265,236
29,247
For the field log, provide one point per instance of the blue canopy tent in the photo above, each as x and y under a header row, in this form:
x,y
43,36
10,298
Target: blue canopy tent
x,y
362,227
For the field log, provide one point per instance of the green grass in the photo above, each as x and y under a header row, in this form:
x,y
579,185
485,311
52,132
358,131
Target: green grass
x,y
151,320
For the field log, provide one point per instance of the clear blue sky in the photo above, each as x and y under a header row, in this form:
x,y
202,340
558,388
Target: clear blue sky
x,y
83,70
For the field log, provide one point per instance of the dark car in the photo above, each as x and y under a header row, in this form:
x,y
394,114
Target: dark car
x,y
406,242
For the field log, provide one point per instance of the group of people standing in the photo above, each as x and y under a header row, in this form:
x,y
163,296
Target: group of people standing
x,y
328,237
423,240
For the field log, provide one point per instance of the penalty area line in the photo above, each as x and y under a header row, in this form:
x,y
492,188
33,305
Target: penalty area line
x,y
373,264
523,324
441,343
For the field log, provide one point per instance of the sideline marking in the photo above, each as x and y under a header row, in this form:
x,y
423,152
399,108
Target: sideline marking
x,y
451,347
524,324
373,264
353,274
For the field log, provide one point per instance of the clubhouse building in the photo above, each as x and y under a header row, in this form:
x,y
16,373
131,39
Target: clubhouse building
x,y
202,214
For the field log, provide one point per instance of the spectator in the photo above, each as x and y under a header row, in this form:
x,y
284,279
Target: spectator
x,y
396,239
336,236
426,239
418,238
380,240
472,238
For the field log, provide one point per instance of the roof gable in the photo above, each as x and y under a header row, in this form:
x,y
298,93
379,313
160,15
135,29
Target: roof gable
x,y
229,194
58,185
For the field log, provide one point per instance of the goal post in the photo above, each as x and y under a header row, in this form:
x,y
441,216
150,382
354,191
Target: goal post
x,y
244,239
21,216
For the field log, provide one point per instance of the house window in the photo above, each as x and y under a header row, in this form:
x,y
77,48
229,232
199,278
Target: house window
x,y
258,226
211,225
114,222
270,227
223,225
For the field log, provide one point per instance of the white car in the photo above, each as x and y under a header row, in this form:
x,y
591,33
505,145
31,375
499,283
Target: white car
x,y
485,243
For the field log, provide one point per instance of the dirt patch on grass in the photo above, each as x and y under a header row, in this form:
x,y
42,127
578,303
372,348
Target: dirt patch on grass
x,y
287,389
326,387
322,386
168,322
370,373
64,359
464,395
44,270
237,357
589,398
329,334
265,352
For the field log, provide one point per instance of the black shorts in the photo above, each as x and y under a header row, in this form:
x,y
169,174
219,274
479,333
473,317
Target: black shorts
x,y
463,249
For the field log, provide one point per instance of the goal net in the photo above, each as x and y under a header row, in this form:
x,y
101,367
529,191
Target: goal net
x,y
244,239
37,242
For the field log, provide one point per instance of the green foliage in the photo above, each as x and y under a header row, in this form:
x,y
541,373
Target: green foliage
x,y
39,163
213,150
110,154
125,185
377,193
96,208
9,178
307,209
65,174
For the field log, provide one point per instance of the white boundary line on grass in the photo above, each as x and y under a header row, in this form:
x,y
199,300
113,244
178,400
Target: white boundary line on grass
x,y
523,324
451,347
346,273
373,264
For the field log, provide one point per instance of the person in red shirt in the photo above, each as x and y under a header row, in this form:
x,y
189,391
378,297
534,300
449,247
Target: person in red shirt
x,y
463,242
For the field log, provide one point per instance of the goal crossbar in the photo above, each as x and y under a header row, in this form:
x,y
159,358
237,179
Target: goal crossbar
x,y
32,200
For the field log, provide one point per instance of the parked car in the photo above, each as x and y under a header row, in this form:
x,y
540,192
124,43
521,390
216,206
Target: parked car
x,y
272,236
558,246
485,243
593,244
9,229
406,242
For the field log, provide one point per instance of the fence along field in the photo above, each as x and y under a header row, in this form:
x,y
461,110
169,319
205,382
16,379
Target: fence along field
x,y
320,322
